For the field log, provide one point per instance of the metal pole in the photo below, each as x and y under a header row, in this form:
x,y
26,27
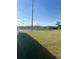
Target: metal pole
x,y
32,14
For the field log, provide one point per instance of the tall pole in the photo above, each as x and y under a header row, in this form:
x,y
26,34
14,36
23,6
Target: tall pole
x,y
32,14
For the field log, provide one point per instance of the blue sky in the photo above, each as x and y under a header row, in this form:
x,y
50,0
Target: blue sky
x,y
46,12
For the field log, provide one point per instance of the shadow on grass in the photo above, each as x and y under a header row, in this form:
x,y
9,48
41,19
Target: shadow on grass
x,y
29,48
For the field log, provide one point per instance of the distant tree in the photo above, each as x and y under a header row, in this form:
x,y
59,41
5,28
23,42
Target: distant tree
x,y
58,24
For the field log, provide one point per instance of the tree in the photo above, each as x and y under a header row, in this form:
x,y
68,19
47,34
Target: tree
x,y
58,24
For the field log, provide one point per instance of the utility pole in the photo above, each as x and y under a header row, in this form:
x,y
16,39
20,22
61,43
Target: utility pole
x,y
32,15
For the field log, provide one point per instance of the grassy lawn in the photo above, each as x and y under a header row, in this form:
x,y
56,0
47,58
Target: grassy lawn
x,y
51,40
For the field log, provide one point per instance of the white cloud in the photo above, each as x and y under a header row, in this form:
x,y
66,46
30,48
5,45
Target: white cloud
x,y
27,22
23,22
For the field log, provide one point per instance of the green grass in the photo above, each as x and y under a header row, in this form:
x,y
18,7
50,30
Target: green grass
x,y
51,40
